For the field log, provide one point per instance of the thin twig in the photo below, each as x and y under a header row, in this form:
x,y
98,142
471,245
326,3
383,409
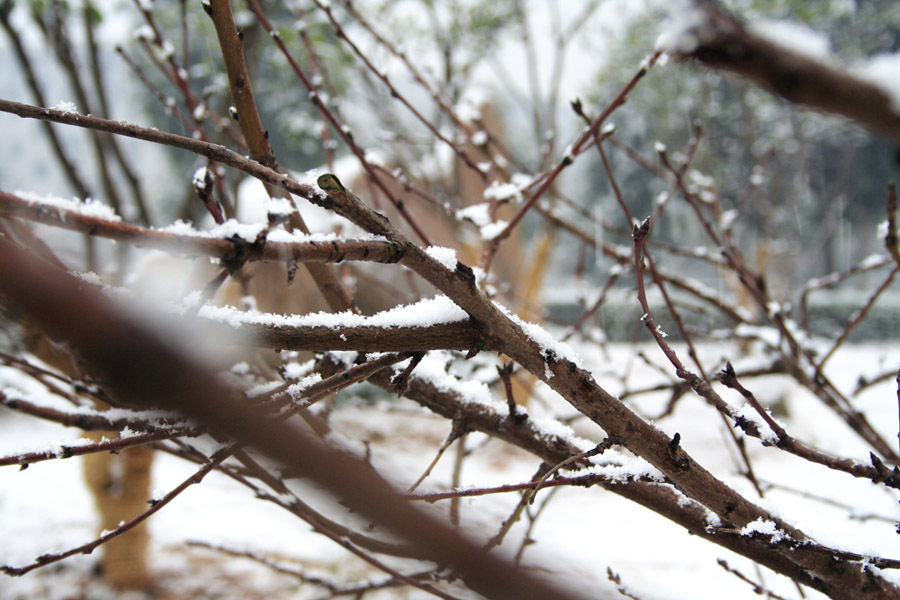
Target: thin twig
x,y
155,506
757,588
455,433
68,450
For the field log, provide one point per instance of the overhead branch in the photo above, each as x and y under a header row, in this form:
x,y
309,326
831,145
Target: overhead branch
x,y
718,39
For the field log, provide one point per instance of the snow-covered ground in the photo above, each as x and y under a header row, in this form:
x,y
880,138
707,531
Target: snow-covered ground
x,y
580,534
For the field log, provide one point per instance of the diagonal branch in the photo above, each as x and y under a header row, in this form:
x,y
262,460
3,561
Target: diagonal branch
x,y
149,371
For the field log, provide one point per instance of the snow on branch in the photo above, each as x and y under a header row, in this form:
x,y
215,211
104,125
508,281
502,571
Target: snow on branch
x,y
225,241
114,419
85,446
435,323
704,30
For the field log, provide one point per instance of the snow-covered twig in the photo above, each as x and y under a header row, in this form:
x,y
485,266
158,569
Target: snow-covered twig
x,y
68,450
155,506
91,419
227,242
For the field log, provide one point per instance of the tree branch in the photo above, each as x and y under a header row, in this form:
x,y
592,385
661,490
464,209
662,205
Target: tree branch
x,y
723,42
201,243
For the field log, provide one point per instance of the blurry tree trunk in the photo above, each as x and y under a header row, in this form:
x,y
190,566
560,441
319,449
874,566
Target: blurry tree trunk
x,y
120,483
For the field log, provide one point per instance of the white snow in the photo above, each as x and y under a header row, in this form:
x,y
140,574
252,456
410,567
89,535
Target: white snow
x,y
480,215
502,191
445,256
296,390
65,107
796,37
199,178
748,413
766,528
88,207
248,232
433,368
683,27
626,468
884,71
551,348
582,531
228,229
424,313
144,33
873,260
768,335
